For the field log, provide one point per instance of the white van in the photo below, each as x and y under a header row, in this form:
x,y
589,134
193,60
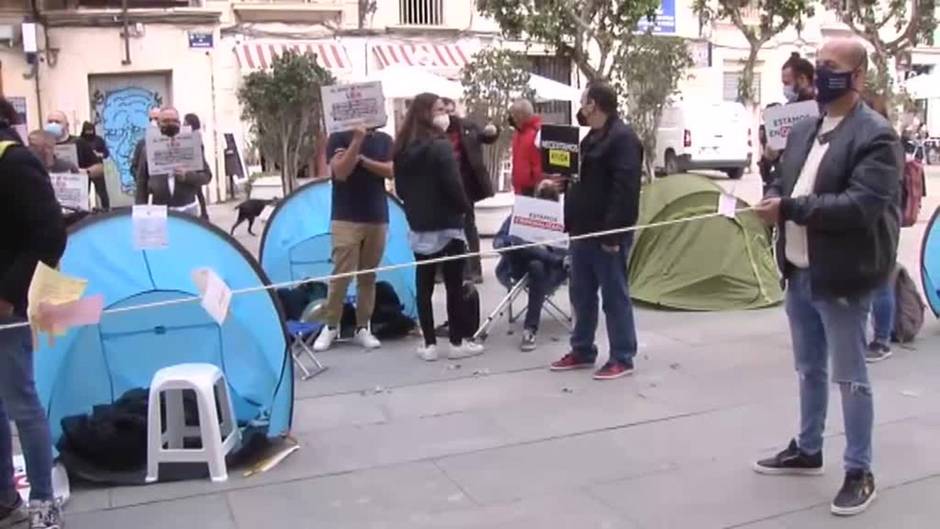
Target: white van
x,y
704,135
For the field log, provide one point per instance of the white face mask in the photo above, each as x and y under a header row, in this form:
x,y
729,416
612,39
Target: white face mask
x,y
790,93
442,122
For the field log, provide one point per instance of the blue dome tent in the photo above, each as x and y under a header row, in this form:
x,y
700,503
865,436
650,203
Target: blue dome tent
x,y
930,263
296,242
97,364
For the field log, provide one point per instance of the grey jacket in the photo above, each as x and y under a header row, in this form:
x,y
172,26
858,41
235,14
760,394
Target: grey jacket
x,y
185,189
853,216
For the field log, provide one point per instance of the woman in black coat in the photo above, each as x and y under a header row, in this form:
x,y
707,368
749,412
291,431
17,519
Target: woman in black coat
x,y
427,179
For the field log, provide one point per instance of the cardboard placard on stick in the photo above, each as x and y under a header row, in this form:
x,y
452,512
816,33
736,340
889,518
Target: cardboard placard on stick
x,y
779,120
560,149
537,220
347,106
71,189
182,152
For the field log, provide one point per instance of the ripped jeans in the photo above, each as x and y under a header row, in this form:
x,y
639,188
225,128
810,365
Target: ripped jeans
x,y
831,327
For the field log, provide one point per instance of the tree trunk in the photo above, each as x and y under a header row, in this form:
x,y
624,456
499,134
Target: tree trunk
x,y
883,80
746,90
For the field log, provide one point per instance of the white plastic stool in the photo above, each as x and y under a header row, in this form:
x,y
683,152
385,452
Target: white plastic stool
x,y
206,381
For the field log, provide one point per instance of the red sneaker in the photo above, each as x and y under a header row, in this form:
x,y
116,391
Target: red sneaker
x,y
571,361
612,370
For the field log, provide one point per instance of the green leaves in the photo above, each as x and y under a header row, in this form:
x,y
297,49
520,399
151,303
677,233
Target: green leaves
x,y
494,79
650,70
573,27
284,108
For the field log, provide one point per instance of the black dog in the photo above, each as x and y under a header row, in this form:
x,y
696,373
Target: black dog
x,y
249,210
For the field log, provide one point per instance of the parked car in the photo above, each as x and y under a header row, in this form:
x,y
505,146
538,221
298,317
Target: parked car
x,y
695,134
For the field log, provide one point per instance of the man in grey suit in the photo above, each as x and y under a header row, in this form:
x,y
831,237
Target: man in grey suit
x,y
836,204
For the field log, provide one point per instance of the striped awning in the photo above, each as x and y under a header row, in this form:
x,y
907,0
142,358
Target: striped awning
x,y
259,54
447,59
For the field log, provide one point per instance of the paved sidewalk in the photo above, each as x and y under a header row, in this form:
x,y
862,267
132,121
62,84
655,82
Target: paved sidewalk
x,y
498,442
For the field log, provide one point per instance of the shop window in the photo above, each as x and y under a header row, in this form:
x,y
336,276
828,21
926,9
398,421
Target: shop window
x,y
421,12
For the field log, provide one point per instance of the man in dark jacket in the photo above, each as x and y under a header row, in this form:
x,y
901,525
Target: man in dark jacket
x,y
606,196
836,204
177,190
81,153
468,140
798,78
33,231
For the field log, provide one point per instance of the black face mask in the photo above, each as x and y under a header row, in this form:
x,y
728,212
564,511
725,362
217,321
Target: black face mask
x,y
88,134
170,130
582,120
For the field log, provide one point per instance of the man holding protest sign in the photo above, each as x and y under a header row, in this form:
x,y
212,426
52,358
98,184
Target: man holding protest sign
x,y
79,152
604,196
360,161
543,267
836,205
172,166
798,76
34,231
43,146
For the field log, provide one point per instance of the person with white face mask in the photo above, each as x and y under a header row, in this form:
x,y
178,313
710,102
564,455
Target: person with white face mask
x,y
427,178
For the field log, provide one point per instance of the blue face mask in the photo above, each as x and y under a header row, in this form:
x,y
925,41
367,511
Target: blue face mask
x,y
831,85
55,129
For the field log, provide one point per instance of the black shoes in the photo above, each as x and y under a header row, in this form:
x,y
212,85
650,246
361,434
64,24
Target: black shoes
x,y
791,462
858,490
856,494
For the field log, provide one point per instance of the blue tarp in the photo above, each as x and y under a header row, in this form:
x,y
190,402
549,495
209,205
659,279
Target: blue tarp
x,y
930,263
297,243
96,364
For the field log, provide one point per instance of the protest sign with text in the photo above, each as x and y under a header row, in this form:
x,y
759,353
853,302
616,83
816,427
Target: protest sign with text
x,y
779,120
71,189
348,106
68,153
537,220
560,149
182,152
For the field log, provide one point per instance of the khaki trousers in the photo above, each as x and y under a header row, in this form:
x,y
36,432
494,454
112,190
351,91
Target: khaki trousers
x,y
356,246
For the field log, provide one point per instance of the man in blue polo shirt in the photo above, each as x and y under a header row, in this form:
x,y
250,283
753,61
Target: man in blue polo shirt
x,y
360,162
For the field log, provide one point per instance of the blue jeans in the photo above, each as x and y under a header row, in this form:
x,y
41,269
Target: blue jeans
x,y
20,402
831,327
882,313
593,269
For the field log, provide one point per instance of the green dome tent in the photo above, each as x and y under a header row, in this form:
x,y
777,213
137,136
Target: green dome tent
x,y
707,265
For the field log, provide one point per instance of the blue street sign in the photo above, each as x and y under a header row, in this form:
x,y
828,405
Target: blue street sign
x,y
664,23
200,39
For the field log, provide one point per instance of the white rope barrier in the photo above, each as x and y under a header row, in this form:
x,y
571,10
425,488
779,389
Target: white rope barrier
x,y
413,264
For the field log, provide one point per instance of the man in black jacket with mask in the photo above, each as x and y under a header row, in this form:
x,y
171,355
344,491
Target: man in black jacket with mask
x,y
178,190
835,202
605,196
33,231
468,140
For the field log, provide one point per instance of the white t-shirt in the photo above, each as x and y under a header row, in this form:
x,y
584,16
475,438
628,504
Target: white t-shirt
x,y
797,250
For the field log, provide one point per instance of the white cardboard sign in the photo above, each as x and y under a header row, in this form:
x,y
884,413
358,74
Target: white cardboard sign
x,y
71,189
150,227
536,220
348,106
216,295
67,152
727,205
779,120
164,154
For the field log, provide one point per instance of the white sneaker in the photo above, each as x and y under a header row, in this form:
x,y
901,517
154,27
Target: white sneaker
x,y
326,338
465,350
365,338
428,353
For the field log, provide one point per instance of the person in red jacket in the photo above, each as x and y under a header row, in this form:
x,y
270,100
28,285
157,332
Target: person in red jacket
x,y
526,155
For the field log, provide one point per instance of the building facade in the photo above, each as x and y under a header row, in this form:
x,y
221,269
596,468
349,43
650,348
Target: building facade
x,y
109,61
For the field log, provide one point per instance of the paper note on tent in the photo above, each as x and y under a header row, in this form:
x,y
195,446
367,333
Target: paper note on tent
x,y
215,294
50,287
